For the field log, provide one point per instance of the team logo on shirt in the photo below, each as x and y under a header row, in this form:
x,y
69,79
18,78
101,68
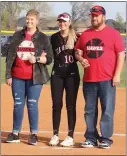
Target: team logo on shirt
x,y
60,49
94,48
25,50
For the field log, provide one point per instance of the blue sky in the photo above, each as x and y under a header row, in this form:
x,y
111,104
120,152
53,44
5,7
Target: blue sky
x,y
111,8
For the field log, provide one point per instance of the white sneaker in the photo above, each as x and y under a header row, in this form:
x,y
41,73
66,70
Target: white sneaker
x,y
54,141
69,141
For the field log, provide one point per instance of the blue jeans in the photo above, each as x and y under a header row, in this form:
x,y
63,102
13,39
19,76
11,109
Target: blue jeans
x,y
24,90
107,93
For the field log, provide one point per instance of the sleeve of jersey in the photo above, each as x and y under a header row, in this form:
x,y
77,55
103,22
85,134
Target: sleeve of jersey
x,y
119,43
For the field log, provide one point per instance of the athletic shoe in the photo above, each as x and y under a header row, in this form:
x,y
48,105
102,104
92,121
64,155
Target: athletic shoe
x,y
54,141
69,141
33,139
104,145
13,138
87,143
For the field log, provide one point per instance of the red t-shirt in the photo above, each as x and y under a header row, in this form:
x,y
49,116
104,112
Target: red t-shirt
x,y
22,67
100,48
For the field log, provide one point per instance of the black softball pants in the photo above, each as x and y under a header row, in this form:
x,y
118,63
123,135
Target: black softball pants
x,y
71,85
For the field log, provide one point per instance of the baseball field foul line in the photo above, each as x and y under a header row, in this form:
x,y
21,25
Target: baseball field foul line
x,y
77,133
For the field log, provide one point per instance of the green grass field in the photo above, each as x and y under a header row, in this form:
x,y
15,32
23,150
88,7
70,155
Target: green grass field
x,y
123,75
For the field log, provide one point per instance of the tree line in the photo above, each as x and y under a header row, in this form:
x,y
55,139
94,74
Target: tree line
x,y
11,12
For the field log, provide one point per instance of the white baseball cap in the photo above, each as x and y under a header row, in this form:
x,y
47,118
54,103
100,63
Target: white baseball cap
x,y
64,16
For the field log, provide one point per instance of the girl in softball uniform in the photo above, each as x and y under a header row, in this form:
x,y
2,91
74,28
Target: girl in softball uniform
x,y
65,75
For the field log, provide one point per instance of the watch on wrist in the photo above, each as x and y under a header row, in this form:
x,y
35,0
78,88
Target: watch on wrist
x,y
37,59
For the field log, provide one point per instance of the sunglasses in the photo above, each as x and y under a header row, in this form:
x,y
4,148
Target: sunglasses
x,y
63,15
97,10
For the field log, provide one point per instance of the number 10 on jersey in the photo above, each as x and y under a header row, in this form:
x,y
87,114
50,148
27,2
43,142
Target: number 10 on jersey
x,y
69,59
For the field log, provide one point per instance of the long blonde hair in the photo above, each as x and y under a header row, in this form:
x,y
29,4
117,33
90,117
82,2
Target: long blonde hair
x,y
72,35
71,38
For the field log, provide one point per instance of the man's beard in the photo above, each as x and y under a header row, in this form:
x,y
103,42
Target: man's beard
x,y
97,25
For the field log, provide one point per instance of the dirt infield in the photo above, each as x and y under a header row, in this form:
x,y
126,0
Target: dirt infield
x,y
45,127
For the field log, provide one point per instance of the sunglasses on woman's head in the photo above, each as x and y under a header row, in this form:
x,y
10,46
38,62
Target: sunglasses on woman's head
x,y
63,15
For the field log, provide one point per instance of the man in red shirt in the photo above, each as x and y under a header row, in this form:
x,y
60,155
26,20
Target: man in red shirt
x,y
100,50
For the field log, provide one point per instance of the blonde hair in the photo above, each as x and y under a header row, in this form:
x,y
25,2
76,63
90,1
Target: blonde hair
x,y
33,12
71,35
71,38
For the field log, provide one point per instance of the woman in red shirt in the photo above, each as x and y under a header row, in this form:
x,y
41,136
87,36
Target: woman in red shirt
x,y
26,72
